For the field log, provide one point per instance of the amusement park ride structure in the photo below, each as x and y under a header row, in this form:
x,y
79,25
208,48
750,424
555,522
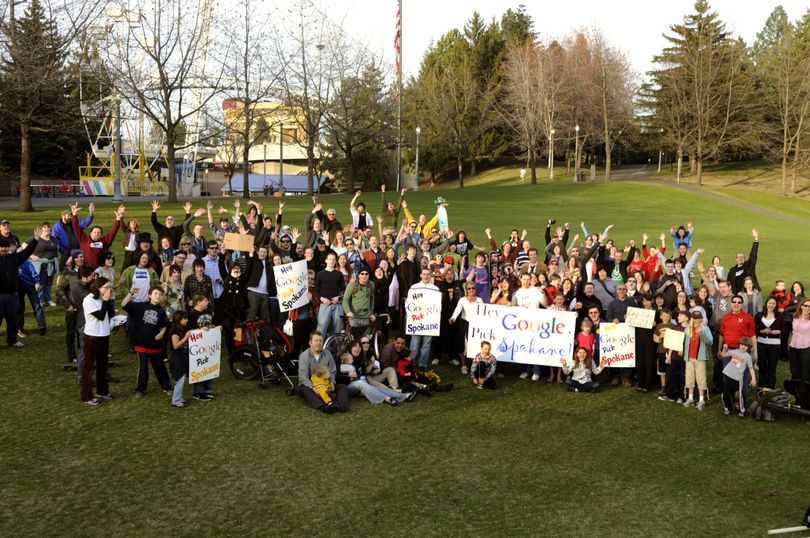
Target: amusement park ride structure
x,y
123,160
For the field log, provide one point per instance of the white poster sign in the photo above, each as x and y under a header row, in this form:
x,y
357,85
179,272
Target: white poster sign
x,y
423,312
523,335
643,318
204,347
292,285
617,345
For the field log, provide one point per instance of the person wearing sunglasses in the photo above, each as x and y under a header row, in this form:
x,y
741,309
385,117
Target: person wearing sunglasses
x,y
737,324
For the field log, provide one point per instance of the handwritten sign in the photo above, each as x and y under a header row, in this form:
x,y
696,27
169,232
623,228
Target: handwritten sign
x,y
617,345
292,285
234,241
643,318
521,335
423,312
204,348
673,339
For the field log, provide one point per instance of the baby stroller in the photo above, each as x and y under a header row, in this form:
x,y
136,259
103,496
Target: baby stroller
x,y
264,351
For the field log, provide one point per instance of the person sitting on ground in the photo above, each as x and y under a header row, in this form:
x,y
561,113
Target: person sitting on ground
x,y
322,386
312,357
581,369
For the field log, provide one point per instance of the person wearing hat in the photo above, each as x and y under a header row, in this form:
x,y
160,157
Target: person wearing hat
x,y
174,231
5,233
697,339
145,246
441,214
65,298
96,243
62,233
10,261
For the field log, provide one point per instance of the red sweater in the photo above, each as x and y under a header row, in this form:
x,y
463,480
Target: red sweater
x,y
735,326
94,250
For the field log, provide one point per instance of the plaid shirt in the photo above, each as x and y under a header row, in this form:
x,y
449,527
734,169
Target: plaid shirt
x,y
204,287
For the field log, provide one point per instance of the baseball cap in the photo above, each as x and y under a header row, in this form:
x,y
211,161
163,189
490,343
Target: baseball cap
x,y
449,259
697,315
5,221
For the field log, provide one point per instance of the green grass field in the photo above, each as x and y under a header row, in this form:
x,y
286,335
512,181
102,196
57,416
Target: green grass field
x,y
527,459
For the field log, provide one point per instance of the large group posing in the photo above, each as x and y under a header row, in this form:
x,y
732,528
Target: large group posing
x,y
361,272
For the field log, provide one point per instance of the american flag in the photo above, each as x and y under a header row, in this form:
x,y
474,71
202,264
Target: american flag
x,y
398,49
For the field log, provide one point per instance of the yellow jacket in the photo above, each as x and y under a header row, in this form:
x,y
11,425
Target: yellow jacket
x,y
322,388
424,231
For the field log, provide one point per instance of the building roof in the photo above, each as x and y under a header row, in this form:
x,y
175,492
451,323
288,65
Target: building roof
x,y
292,183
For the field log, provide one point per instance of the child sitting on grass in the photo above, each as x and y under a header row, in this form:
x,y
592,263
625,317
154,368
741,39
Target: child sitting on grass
x,y
734,375
322,385
581,371
483,367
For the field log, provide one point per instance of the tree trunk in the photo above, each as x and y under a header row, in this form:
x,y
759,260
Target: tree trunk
x,y
796,155
25,166
460,162
310,169
533,165
472,167
699,166
692,164
170,151
680,166
607,161
246,172
784,167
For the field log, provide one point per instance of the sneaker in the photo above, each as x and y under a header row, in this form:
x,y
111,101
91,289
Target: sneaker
x,y
741,414
435,362
180,405
42,331
106,397
410,396
700,405
535,377
454,362
202,397
661,392
167,392
464,370
726,411
524,375
21,334
679,400
480,386
51,303
17,344
138,394
328,409
689,403
392,402
92,403
665,398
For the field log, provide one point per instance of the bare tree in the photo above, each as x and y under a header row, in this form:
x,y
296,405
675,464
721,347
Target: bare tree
x,y
613,90
33,68
157,65
308,51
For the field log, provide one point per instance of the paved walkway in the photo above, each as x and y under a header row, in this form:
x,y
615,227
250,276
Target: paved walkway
x,y
641,174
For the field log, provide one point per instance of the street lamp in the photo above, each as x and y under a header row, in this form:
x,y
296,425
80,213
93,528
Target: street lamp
x,y
551,154
660,149
418,130
576,153
281,159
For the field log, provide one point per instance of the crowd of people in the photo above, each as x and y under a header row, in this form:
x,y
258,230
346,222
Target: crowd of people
x,y
362,272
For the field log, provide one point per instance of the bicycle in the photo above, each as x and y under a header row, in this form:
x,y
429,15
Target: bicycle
x,y
339,342
263,351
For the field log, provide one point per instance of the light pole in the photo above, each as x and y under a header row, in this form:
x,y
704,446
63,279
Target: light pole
x,y
576,153
264,170
551,155
281,159
660,149
418,130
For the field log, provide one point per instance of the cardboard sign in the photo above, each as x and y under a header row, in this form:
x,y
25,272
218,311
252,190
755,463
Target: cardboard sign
x,y
522,335
292,285
673,339
642,318
204,348
234,241
617,345
423,312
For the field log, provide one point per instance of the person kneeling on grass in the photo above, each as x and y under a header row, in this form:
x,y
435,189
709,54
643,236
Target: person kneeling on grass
x,y
734,375
483,367
149,324
581,371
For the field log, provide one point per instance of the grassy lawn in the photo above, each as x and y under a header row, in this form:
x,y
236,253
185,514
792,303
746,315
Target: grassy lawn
x,y
527,459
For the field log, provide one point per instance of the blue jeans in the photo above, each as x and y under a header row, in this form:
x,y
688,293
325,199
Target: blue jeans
x,y
46,282
329,318
9,305
177,395
157,365
420,349
33,298
203,388
375,395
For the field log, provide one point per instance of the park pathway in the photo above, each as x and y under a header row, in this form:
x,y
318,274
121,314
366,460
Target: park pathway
x,y
642,174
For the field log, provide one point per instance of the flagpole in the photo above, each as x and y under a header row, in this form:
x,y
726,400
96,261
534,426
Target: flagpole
x,y
399,95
